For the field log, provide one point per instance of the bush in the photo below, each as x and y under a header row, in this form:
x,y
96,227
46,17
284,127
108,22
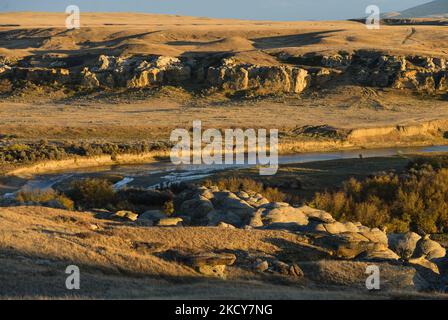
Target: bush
x,y
145,197
49,198
416,200
92,193
168,208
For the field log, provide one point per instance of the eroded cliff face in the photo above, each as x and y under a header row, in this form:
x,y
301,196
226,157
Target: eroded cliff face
x,y
293,74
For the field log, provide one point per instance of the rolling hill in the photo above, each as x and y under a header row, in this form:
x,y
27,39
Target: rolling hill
x,y
434,9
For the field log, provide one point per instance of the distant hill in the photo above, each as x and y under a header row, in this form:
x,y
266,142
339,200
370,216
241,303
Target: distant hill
x,y
434,9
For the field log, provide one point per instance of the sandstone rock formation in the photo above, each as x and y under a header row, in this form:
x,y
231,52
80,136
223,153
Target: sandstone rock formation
x,y
212,264
293,74
429,249
126,215
324,237
403,243
264,79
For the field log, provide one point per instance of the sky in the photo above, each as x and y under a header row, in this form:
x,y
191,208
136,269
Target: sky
x,y
241,9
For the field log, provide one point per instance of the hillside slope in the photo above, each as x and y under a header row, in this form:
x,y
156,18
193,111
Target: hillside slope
x,y
125,260
434,9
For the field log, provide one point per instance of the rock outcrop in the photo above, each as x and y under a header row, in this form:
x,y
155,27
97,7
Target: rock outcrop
x,y
212,264
324,237
264,79
291,75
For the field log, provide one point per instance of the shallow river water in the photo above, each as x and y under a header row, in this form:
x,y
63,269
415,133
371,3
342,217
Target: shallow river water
x,y
160,173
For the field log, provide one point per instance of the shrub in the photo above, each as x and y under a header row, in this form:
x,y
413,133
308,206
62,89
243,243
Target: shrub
x,y
168,208
145,197
48,198
92,193
416,200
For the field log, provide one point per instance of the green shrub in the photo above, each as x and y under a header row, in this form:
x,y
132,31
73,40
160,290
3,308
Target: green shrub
x,y
168,208
416,200
92,193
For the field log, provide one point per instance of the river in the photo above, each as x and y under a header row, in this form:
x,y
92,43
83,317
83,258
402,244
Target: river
x,y
163,173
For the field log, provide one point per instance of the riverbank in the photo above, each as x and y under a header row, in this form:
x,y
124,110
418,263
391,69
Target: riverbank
x,y
285,148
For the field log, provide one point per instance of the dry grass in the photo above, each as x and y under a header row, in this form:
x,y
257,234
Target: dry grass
x,y
37,244
177,35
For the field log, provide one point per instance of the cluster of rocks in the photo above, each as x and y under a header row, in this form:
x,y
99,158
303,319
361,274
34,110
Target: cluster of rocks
x,y
420,73
320,235
233,76
368,68
337,240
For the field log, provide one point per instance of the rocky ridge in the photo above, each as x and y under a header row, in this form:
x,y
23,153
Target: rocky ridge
x,y
293,74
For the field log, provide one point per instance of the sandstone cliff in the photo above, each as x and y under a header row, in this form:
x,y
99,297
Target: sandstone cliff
x,y
292,74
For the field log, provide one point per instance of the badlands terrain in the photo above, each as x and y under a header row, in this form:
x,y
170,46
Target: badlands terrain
x,y
111,93
134,77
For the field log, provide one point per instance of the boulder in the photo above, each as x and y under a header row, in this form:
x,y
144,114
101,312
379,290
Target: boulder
x,y
284,217
296,271
281,267
261,266
300,80
348,245
212,264
335,227
225,200
376,235
403,244
170,222
88,79
256,220
4,68
379,254
314,226
152,215
105,62
212,259
317,215
140,80
429,249
236,79
126,215
215,217
242,195
206,193
351,227
223,225
197,208
425,263
257,201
